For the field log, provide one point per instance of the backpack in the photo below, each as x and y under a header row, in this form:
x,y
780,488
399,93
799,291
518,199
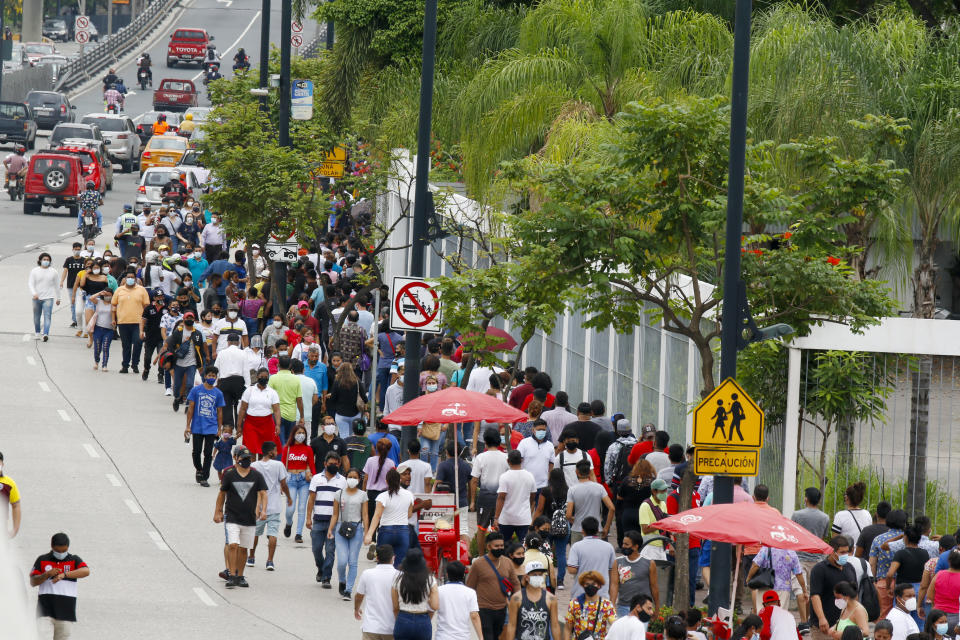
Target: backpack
x,y
621,466
867,594
559,525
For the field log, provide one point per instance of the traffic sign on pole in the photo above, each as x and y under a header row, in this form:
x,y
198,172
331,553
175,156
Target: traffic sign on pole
x,y
296,40
82,37
82,23
416,305
727,432
296,27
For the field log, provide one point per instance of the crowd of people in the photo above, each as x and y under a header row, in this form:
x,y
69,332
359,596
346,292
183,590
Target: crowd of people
x,y
276,401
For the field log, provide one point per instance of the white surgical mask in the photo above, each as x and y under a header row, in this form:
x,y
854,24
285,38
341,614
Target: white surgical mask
x,y
60,555
256,252
165,253
131,282
300,437
840,603
197,254
95,271
76,252
232,315
277,324
329,429
431,388
353,482
941,628
910,604
225,436
44,263
537,582
90,247
189,220
539,435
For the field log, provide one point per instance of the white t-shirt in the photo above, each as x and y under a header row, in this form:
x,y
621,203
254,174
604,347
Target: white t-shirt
x,y
219,326
627,628
517,484
260,401
396,508
480,379
273,473
783,626
488,467
903,624
308,389
419,471
850,522
659,460
374,585
537,458
453,616
568,464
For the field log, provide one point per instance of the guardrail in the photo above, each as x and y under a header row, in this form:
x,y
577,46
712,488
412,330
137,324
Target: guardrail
x,y
315,46
111,48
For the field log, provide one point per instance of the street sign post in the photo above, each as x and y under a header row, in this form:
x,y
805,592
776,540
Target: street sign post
x,y
81,29
301,99
727,432
281,248
333,164
416,305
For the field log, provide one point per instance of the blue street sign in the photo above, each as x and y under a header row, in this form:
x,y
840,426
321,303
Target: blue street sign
x,y
301,99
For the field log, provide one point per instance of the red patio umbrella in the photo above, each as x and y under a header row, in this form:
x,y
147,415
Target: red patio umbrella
x,y
454,404
744,523
505,342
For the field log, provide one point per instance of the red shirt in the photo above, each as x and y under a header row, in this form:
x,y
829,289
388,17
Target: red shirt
x,y
519,394
298,458
548,404
673,507
308,321
598,471
639,449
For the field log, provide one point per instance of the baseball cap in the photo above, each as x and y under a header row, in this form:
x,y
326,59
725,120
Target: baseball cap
x,y
242,452
534,565
623,425
771,597
659,485
158,293
648,430
189,314
302,304
617,417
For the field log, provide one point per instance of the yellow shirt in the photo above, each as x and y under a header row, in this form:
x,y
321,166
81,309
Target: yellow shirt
x,y
129,303
187,126
647,518
8,489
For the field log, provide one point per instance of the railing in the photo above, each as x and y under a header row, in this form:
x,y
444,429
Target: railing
x,y
111,48
313,48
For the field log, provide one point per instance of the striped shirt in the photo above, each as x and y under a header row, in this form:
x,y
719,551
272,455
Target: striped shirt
x,y
326,492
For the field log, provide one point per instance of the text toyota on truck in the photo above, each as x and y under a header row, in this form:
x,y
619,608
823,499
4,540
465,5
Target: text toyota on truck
x,y
188,45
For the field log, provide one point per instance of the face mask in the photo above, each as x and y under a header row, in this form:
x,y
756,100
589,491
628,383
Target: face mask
x,y
329,429
262,381
174,311
226,436
540,435
256,252
211,381
188,284
133,264
90,247
95,271
304,312
572,446
76,252
165,253
44,263
282,352
215,220
232,315
591,590
496,553
60,555
277,324
197,254
188,322
352,483
840,603
910,604
131,282
941,628
431,388
755,636
333,468
189,220
245,463
842,559
643,616
626,550
517,561
537,582
300,437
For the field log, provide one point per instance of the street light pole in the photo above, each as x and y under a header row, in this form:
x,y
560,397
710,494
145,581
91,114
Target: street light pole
x,y
411,378
264,50
720,559
280,268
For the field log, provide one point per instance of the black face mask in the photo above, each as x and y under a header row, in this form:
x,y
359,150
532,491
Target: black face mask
x,y
517,561
572,446
333,468
626,550
262,381
496,553
591,590
245,463
644,616
188,322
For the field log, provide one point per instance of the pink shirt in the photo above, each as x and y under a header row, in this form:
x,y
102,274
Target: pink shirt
x,y
946,596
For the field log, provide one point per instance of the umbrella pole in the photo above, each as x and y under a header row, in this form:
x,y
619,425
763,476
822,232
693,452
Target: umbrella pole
x,y
734,589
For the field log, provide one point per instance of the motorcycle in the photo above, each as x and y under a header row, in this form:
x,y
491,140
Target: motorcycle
x,y
175,197
112,108
15,189
242,65
90,230
143,77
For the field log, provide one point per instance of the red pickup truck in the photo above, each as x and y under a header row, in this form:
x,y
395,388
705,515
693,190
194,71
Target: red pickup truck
x,y
188,45
174,94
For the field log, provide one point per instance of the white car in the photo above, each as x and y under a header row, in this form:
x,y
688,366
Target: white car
x,y
200,114
153,179
122,134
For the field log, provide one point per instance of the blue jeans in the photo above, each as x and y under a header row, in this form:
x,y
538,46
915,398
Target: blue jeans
x,y
694,556
397,537
430,451
299,491
344,424
73,310
383,381
46,307
412,626
102,337
252,326
347,553
130,339
181,374
560,555
286,426
623,610
323,548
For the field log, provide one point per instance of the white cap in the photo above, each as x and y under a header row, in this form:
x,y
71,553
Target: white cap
x,y
534,565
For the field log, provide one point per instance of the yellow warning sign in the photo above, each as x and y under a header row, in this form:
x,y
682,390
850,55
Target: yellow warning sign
x,y
731,462
728,418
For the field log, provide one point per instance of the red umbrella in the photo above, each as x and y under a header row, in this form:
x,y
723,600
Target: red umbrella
x,y
744,523
454,404
505,342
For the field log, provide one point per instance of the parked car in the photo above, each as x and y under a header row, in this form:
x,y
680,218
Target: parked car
x,y
36,50
193,160
122,134
54,179
175,94
74,130
162,151
17,124
153,179
96,164
187,45
145,128
56,29
50,108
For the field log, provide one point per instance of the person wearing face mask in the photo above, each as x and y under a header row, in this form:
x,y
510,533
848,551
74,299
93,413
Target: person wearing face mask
x,y
485,481
852,613
213,239
258,419
186,343
91,281
328,442
102,330
298,458
516,495
824,576
487,576
274,331
197,263
901,615
241,501
275,475
590,611
533,610
324,488
206,326
72,266
204,421
189,231
44,286
232,363
459,612
129,301
937,625
11,495
56,574
635,575
634,624
222,460
653,509
749,628
350,519
570,454
188,295
538,454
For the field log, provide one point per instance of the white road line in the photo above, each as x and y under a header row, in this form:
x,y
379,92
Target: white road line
x,y
204,597
91,451
114,480
66,418
132,506
157,540
30,246
235,42
31,360
67,233
44,386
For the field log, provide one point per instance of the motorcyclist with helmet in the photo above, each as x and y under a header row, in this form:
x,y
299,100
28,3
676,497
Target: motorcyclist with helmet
x,y
143,64
16,164
240,60
90,201
112,96
187,126
175,185
212,54
161,126
110,79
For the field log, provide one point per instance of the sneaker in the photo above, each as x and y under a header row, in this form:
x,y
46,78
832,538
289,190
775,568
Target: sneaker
x,y
204,483
45,338
176,405
251,561
225,574
286,530
241,582
135,368
168,392
319,577
124,370
803,627
231,581
341,588
198,478
36,336
298,539
146,372
559,587
270,566
371,552
345,596
73,325
325,584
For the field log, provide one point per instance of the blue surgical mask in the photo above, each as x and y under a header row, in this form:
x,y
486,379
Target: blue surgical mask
x,y
842,560
539,435
60,555
131,282
941,628
211,381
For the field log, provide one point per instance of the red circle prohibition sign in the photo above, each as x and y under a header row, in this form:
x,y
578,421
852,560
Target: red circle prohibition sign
x,y
405,293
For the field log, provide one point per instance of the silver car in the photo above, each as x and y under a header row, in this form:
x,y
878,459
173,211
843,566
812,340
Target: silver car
x,y
152,182
122,134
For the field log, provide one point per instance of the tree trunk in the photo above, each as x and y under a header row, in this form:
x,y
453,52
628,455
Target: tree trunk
x,y
919,429
846,430
823,458
682,569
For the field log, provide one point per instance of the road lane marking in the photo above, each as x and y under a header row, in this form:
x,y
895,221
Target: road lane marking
x,y
91,451
114,480
235,42
204,597
66,418
67,233
157,540
44,386
132,506
30,246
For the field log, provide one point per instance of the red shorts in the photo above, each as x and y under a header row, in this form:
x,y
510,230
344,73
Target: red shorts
x,y
257,430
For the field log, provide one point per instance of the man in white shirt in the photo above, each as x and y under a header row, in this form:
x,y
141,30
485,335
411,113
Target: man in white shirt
x,y
537,453
778,621
459,611
232,324
516,493
633,626
904,604
658,457
558,417
676,455
393,399
480,378
372,603
232,364
485,481
308,390
275,475
421,475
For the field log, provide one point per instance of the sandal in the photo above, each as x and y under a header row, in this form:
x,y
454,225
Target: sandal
x,y
95,367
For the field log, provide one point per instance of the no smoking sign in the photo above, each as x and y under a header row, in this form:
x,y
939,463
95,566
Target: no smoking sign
x,y
416,305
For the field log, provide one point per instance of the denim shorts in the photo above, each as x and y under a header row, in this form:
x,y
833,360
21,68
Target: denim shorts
x,y
271,525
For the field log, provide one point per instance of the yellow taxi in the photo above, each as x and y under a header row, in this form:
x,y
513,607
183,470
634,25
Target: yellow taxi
x,y
162,151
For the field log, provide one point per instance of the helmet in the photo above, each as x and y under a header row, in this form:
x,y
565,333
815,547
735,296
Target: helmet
x,y
152,257
210,45
91,184
127,208
174,176
20,149
189,116
162,117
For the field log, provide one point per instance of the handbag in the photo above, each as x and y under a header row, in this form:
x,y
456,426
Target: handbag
x,y
588,634
430,430
360,404
764,578
347,529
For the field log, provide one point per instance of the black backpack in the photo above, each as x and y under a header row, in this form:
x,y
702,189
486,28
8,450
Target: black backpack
x,y
559,525
621,468
867,594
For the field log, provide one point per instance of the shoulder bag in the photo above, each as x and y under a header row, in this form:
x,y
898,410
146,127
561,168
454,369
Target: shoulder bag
x,y
764,578
588,633
506,587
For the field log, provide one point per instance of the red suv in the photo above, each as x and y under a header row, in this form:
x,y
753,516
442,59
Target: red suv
x,y
90,164
54,179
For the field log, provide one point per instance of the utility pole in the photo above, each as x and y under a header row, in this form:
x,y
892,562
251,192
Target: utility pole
x,y
411,378
721,556
280,268
264,50
109,17
32,21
